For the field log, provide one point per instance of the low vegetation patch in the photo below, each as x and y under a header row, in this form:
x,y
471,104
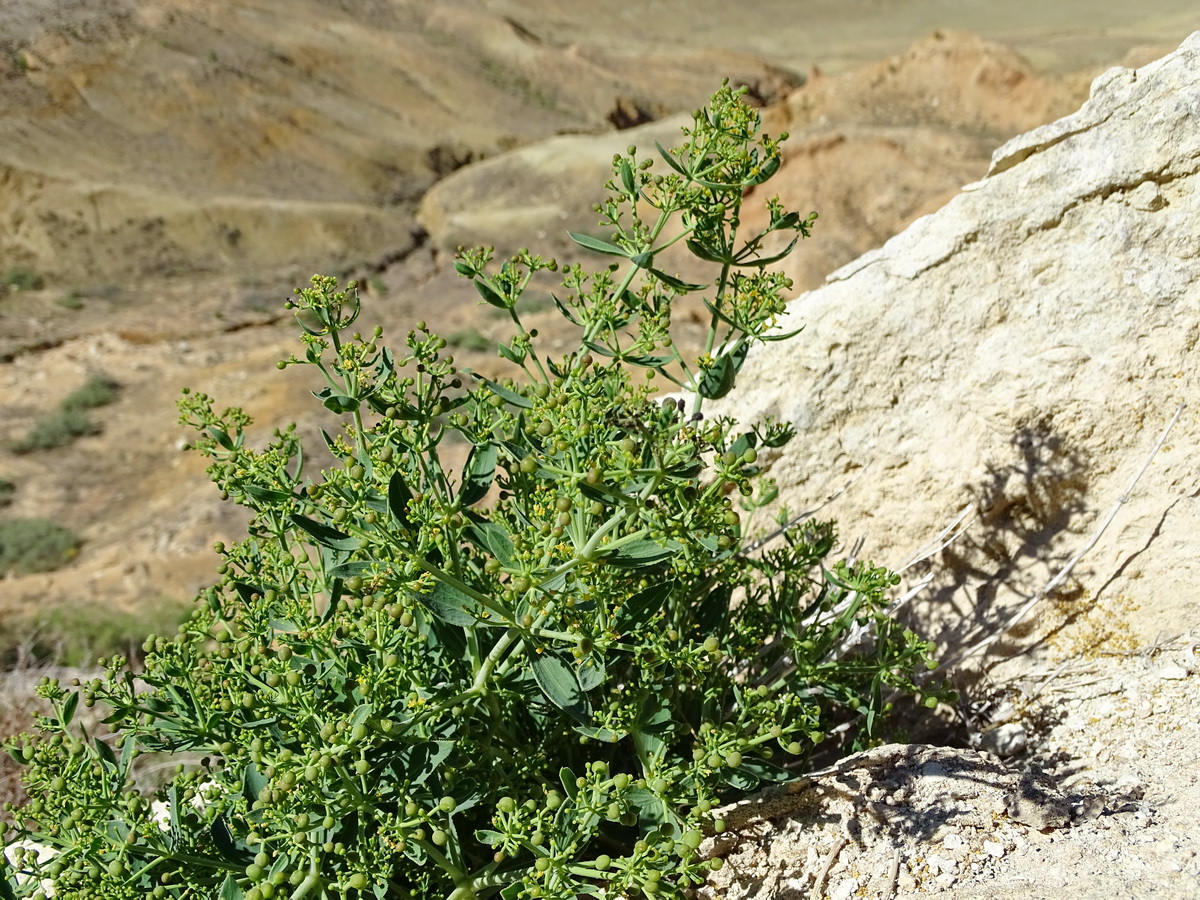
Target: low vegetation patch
x,y
70,421
35,545
18,279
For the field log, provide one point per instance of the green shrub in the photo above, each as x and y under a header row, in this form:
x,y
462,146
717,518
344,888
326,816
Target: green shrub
x,y
7,491
22,279
69,421
534,678
57,429
71,300
470,339
99,390
35,545
82,629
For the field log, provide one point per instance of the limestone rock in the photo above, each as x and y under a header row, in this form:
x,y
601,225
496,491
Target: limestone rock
x,y
1016,355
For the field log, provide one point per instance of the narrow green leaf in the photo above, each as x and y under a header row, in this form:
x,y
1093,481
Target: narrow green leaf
x,y
567,777
267,495
398,498
329,442
69,708
714,610
261,723
335,402
765,771
105,752
684,287
601,734
767,260
511,397
230,889
513,356
649,808
488,837
642,260
488,292
417,762
786,222
769,169
376,501
625,170
350,569
718,380
247,591
325,535
127,753
557,583
649,362
590,671
591,243
478,474
253,781
640,608
771,337
641,554
599,348
221,437
224,841
562,308
743,443
703,251
671,161
557,680
491,537
452,605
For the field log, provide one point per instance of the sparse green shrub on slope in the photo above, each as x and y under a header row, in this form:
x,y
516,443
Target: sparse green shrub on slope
x,y
535,678
34,545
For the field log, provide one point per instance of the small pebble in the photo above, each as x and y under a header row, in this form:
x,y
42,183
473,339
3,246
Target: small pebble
x,y
993,848
953,841
1172,673
1007,740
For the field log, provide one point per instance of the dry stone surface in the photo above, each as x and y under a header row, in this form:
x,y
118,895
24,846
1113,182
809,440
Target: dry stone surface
x,y
1009,364
1017,354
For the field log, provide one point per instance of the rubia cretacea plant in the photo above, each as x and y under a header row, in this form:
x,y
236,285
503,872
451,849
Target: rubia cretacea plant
x,y
535,677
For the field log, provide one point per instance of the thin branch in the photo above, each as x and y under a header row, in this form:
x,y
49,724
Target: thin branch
x,y
940,542
893,875
1066,570
819,887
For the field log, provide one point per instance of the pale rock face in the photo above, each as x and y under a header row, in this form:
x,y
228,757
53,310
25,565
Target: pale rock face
x,y
1019,352
1015,357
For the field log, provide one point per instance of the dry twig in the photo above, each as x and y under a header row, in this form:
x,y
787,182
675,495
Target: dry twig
x,y
819,886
